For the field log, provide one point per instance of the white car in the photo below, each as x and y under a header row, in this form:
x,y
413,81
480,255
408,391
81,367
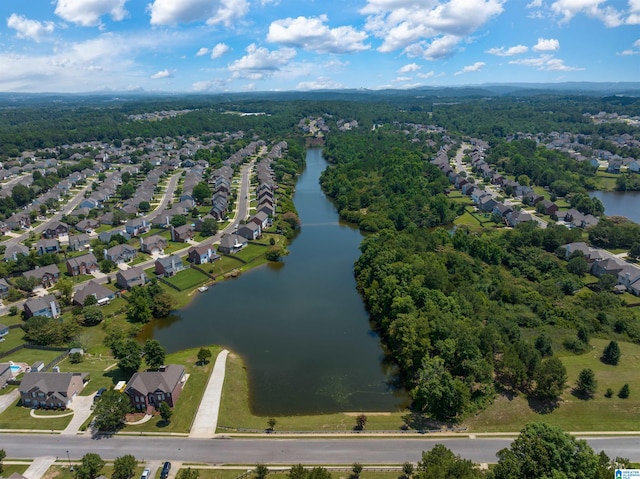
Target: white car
x,y
145,474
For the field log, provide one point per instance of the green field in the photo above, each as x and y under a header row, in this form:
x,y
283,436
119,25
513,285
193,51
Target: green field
x,y
188,279
573,414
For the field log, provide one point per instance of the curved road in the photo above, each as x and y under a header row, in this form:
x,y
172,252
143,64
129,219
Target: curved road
x,y
278,451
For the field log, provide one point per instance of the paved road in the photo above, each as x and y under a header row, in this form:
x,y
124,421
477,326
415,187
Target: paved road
x,y
166,197
206,420
277,451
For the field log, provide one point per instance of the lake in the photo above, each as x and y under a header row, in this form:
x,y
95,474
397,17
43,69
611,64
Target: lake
x,y
299,324
620,203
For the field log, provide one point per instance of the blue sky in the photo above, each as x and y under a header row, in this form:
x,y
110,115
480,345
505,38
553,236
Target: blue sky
x,y
267,45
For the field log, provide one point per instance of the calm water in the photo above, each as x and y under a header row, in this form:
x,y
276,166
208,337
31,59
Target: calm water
x,y
300,325
620,203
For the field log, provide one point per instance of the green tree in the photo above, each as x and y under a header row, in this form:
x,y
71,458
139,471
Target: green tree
x,y
75,358
356,468
407,470
551,378
188,473
261,471
163,304
297,472
271,423
124,467
209,227
126,191
107,266
65,286
578,266
26,283
544,345
203,355
611,354
144,206
201,192
318,472
178,220
361,422
154,353
139,309
441,463
90,300
90,466
111,410
624,392
165,412
438,393
92,315
3,454
21,195
128,354
544,451
586,385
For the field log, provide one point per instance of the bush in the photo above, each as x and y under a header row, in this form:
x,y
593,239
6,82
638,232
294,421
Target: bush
x,y
624,392
575,345
611,354
13,311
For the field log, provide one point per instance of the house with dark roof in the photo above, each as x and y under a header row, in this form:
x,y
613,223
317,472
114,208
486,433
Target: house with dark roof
x,y
14,250
42,306
131,277
5,374
202,254
250,231
56,229
50,390
87,226
232,243
121,253
85,264
137,226
79,242
102,294
4,288
261,219
48,275
169,265
183,233
150,388
153,244
48,245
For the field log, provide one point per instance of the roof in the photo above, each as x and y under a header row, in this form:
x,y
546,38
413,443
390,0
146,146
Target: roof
x,y
92,289
202,249
121,248
167,260
85,258
165,379
131,273
40,303
42,271
50,382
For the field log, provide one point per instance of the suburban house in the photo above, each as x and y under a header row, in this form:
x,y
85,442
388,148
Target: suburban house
x,y
182,233
261,219
106,236
4,330
231,243
250,231
85,264
50,390
153,244
131,277
121,253
102,294
202,254
48,275
150,388
79,242
48,245
5,374
13,251
18,221
42,306
169,266
87,226
4,289
137,226
56,229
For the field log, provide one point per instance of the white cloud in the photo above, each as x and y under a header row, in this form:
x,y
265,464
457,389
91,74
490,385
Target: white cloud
x,y
88,12
634,50
29,29
407,24
546,45
508,52
545,63
259,62
568,9
426,75
535,4
219,50
634,13
202,52
311,33
476,67
161,74
173,12
319,84
411,67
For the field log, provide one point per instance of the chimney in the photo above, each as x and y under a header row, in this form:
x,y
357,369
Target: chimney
x,y
173,233
104,251
141,242
173,263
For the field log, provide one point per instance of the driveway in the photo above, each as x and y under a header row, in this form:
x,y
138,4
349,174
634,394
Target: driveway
x,y
81,406
7,400
39,467
206,420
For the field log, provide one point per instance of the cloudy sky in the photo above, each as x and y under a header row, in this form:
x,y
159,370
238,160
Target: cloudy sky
x,y
241,45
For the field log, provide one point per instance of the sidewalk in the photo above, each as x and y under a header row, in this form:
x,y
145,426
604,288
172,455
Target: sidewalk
x,y
206,420
39,467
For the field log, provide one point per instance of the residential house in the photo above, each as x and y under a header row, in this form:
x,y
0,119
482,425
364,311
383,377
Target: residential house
x,y
14,250
532,198
4,288
6,374
150,388
122,253
85,264
261,219
4,330
48,275
18,221
169,266
153,244
182,233
79,242
628,275
548,207
131,277
56,229
137,226
89,203
102,294
612,266
50,390
200,221
51,245
232,243
87,226
202,254
251,231
107,236
42,306
516,217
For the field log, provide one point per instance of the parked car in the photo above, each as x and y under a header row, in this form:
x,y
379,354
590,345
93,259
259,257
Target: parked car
x,y
165,470
146,473
99,394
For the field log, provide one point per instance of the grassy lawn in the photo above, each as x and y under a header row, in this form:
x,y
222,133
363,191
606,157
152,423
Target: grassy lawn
x,y
279,473
95,365
30,356
188,278
251,252
11,340
189,401
630,299
18,417
573,414
8,469
9,320
235,411
60,470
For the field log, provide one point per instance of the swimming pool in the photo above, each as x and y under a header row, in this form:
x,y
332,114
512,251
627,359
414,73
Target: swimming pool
x,y
15,369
